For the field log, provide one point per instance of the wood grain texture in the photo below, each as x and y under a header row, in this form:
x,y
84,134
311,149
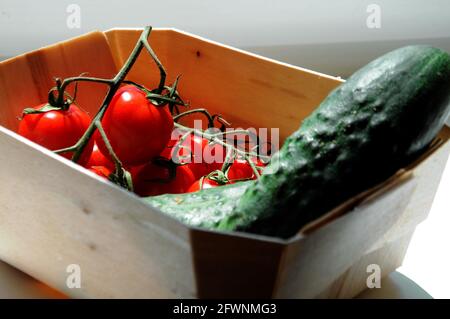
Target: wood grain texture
x,y
353,281
428,173
228,266
25,80
311,264
249,90
66,215
145,71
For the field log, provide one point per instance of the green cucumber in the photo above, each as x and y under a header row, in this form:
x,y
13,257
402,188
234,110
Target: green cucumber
x,y
207,208
381,118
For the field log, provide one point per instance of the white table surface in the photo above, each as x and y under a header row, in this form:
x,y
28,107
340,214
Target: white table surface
x,y
427,260
16,284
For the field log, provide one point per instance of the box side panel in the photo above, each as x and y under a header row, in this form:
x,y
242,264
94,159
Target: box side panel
x,y
25,80
428,175
144,70
229,266
17,91
250,91
354,280
53,214
313,263
389,249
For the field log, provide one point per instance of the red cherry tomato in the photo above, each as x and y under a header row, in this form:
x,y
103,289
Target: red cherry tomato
x,y
190,150
195,152
145,184
101,171
214,156
199,169
98,159
57,129
190,153
204,183
241,169
136,128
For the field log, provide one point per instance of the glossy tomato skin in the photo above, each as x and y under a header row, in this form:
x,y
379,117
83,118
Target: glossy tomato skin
x,y
57,129
145,185
197,154
200,169
192,150
137,129
202,183
98,159
101,171
214,156
241,169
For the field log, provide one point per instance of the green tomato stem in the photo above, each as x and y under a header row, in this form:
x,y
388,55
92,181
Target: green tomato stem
x,y
202,111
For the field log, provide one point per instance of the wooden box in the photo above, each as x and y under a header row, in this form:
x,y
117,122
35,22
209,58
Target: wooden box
x,y
54,213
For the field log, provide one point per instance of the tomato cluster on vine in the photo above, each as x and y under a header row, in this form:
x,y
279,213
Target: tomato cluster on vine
x,y
134,140
160,160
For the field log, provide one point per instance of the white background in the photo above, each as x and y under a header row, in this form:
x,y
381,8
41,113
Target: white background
x,y
327,36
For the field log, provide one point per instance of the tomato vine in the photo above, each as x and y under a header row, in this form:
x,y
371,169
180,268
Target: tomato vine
x,y
162,95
